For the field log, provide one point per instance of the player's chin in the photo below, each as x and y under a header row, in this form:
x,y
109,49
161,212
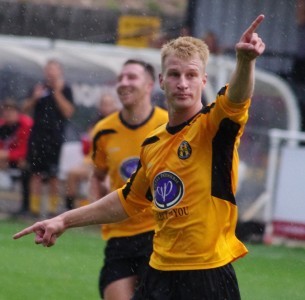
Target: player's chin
x,y
183,103
127,100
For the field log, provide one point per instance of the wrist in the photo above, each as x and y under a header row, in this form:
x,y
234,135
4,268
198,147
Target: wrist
x,y
245,57
62,220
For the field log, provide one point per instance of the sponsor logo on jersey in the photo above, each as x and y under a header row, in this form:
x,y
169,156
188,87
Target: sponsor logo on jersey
x,y
128,166
184,150
168,190
172,213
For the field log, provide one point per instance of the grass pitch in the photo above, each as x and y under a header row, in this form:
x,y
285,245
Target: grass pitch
x,y
272,273
70,269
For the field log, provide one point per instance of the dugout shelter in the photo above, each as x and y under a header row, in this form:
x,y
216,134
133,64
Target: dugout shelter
x,y
92,68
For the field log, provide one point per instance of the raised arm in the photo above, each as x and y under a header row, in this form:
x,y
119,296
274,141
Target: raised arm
x,y
64,105
106,210
249,47
30,102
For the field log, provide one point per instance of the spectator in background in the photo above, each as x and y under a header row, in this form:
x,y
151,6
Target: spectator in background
x,y
106,106
15,129
211,40
159,39
185,31
298,66
51,104
298,71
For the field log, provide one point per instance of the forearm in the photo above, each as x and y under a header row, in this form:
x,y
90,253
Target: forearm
x,y
106,210
241,85
65,106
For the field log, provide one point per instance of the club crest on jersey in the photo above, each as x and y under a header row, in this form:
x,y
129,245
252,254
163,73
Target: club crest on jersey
x,y
184,150
168,190
128,166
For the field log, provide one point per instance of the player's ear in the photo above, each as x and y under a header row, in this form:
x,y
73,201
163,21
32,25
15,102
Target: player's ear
x,y
204,79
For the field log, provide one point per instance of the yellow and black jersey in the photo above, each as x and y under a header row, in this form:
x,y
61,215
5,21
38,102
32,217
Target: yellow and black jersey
x,y
188,175
116,149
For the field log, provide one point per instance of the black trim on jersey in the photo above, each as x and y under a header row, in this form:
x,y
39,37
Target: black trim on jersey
x,y
222,91
137,125
149,195
222,158
175,129
150,140
126,189
96,138
207,108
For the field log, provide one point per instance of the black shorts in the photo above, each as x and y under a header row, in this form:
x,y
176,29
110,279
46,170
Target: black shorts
x,y
212,284
125,257
43,157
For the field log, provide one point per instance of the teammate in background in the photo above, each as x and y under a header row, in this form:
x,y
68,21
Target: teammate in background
x,y
117,142
187,174
15,130
106,106
51,104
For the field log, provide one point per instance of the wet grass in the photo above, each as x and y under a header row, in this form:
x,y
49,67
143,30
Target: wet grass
x,y
70,269
272,272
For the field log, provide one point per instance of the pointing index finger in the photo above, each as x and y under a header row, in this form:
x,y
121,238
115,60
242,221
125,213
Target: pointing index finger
x,y
252,28
23,232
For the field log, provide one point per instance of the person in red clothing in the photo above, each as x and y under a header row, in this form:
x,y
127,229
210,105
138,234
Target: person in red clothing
x,y
15,128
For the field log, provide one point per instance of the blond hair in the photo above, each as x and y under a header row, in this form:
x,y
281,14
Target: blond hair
x,y
185,47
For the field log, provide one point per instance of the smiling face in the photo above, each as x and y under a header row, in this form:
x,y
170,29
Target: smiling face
x,y
133,85
183,80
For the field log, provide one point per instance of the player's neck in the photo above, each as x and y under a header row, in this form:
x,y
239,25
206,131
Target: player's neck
x,y
177,117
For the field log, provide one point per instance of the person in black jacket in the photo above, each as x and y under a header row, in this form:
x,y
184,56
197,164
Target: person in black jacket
x,y
51,104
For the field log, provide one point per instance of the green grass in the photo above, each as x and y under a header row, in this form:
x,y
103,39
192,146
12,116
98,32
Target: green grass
x,y
272,272
70,269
